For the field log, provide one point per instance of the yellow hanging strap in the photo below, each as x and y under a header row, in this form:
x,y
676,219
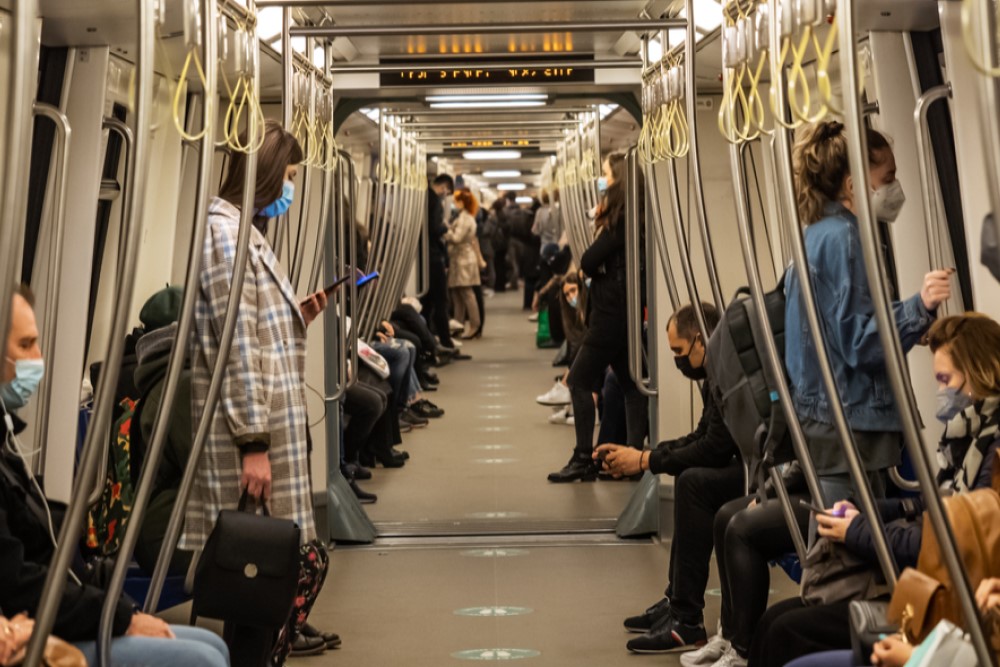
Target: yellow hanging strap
x,y
972,41
823,59
799,80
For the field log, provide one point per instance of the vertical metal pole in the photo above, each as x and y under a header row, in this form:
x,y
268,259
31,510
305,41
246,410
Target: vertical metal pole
x,y
801,263
653,198
17,144
694,156
685,250
72,526
58,221
989,101
895,358
179,350
633,320
352,239
176,522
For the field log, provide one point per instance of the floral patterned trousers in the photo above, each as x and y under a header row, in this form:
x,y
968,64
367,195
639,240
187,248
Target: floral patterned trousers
x,y
313,565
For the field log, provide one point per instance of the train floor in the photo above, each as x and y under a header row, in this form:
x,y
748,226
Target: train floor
x,y
479,557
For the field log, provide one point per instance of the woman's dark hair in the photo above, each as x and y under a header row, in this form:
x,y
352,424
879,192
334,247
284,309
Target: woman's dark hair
x,y
686,321
498,205
574,319
973,342
279,150
614,201
821,164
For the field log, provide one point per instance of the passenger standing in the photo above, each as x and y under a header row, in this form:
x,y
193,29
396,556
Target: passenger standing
x,y
606,342
826,196
435,302
463,271
258,438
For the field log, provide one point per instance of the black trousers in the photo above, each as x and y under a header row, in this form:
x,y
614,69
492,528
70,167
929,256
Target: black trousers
x,y
365,405
435,302
407,316
745,540
791,630
698,495
586,373
481,304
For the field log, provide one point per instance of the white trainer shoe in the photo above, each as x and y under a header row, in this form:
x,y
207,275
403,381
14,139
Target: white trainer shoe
x,y
533,317
730,659
455,326
709,654
561,416
558,395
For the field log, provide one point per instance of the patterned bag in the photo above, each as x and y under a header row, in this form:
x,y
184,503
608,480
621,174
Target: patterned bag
x,y
107,520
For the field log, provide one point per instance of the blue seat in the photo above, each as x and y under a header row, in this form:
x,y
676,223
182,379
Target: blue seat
x,y
791,565
137,586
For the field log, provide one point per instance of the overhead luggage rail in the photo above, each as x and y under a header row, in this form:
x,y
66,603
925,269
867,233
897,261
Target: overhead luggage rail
x,y
58,222
895,358
179,351
226,336
801,266
72,526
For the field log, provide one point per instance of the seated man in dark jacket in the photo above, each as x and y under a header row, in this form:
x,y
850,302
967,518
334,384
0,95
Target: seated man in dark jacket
x,y
708,475
27,537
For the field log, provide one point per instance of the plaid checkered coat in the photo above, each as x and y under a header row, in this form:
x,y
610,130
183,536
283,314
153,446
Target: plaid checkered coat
x,y
264,394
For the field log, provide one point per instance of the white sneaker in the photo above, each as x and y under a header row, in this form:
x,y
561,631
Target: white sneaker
x,y
558,395
533,317
709,654
455,326
730,659
570,421
561,416
456,343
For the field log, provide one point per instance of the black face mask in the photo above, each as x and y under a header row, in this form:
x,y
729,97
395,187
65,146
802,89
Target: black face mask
x,y
689,371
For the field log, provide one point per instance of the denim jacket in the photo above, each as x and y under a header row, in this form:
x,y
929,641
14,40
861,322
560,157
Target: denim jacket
x,y
856,354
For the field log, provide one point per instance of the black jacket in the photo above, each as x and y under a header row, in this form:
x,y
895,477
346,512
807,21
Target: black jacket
x,y
902,533
25,552
604,263
436,229
708,446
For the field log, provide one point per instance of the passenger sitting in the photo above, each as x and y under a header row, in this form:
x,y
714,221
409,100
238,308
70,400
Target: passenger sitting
x,y
967,369
572,300
27,537
709,474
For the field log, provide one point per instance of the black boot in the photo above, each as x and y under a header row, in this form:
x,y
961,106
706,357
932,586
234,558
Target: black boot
x,y
581,469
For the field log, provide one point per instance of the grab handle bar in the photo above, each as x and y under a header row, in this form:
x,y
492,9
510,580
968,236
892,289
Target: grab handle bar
x,y
659,235
353,245
633,318
685,250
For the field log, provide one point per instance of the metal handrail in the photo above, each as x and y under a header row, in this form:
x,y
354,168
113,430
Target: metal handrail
x,y
895,358
931,194
633,318
801,265
226,336
685,250
772,355
334,242
694,156
178,352
63,136
989,99
125,132
13,206
353,268
659,235
72,527
424,283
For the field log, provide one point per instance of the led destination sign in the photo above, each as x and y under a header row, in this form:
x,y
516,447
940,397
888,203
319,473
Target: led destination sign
x,y
443,75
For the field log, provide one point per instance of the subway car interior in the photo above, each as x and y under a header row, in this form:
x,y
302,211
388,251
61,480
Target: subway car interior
x,y
410,332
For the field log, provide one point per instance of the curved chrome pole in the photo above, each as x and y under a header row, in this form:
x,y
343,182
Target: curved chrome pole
x,y
72,526
694,156
334,257
659,235
685,250
895,358
179,350
989,102
773,358
633,319
930,192
17,144
352,268
801,264
63,136
226,336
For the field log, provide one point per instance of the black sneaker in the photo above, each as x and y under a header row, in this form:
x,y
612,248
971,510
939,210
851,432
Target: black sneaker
x,y
413,419
669,635
426,409
577,469
645,621
363,496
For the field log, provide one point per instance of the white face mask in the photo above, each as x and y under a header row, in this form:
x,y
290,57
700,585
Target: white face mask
x,y
888,200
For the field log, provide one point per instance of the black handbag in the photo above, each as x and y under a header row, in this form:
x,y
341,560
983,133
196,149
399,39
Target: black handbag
x,y
248,573
868,625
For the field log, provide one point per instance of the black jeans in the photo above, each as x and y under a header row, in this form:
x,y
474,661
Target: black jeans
x,y
365,405
613,421
698,495
586,373
435,302
745,540
791,630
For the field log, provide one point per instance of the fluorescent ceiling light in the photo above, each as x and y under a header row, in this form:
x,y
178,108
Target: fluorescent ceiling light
x,y
269,23
607,110
502,173
515,97
492,155
374,115
654,51
524,200
487,105
511,186
707,15
319,57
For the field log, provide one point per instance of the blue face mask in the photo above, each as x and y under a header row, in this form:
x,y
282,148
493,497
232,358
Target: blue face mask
x,y
27,376
574,302
281,205
602,185
951,402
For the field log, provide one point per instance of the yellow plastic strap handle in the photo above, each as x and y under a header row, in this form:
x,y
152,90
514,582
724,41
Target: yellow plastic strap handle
x,y
777,67
799,77
754,101
192,56
823,58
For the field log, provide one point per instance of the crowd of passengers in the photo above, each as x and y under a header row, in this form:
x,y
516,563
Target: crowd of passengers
x,y
259,441
712,511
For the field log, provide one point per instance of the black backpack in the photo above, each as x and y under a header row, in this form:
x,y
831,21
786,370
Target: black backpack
x,y
744,388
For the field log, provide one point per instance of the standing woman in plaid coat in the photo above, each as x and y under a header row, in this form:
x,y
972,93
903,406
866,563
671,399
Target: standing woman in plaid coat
x,y
257,440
